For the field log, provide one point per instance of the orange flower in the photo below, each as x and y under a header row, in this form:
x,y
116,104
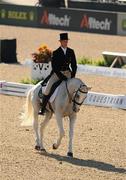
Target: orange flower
x,y
45,47
43,55
40,49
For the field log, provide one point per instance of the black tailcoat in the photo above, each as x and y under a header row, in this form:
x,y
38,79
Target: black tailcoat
x,y
62,62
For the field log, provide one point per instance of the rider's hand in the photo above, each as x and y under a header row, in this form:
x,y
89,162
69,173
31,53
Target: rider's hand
x,y
65,79
72,75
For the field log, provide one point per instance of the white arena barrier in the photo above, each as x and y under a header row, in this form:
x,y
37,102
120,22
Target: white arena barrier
x,y
93,98
105,71
41,70
106,100
14,89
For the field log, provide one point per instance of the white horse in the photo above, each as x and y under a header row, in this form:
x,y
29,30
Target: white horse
x,y
70,96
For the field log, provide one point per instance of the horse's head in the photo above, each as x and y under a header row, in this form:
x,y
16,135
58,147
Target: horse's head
x,y
79,96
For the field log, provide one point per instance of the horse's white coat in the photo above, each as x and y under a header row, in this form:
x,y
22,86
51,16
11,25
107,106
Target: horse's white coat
x,y
62,106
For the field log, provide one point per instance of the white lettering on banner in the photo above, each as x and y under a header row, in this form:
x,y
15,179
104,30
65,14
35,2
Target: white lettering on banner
x,y
93,23
96,24
59,21
52,19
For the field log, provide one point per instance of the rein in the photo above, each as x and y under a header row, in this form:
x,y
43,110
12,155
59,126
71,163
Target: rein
x,y
76,92
69,96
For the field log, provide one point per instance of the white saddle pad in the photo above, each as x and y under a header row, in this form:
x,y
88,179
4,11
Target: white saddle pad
x,y
52,98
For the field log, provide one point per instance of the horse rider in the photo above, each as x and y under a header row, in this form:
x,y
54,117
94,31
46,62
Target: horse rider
x,y
64,66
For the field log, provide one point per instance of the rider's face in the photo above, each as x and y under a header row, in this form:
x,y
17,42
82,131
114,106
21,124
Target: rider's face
x,y
64,43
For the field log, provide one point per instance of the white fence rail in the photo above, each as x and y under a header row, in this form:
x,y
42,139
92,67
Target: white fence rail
x,y
14,89
105,71
93,98
41,70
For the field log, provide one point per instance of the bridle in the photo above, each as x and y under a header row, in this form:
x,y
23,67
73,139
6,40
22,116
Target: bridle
x,y
74,96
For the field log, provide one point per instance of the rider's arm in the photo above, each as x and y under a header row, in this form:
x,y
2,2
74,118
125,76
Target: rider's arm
x,y
56,69
73,64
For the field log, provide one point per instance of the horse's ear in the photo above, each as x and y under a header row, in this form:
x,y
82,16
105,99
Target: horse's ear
x,y
89,88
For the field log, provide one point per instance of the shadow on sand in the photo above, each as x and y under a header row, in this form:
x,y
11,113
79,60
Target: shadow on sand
x,y
86,163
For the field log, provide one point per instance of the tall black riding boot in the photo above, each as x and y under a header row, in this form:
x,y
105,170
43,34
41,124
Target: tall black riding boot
x,y
43,104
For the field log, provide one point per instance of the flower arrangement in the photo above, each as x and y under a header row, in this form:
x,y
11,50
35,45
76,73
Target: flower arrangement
x,y
43,55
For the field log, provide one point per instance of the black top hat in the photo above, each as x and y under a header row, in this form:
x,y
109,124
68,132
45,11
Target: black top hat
x,y
64,36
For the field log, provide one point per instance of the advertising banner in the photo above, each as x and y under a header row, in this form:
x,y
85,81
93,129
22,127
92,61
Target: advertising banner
x,y
121,26
18,15
78,20
55,18
106,100
59,18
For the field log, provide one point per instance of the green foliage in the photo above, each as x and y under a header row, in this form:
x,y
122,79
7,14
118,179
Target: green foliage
x,y
85,60
29,81
100,62
124,67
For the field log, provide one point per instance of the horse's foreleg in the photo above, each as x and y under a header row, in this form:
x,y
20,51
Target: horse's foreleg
x,y
71,133
42,127
61,131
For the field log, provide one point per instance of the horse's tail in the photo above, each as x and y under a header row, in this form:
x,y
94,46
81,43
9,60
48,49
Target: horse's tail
x,y
27,115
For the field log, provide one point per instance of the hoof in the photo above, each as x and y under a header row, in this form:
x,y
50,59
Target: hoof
x,y
37,147
54,146
70,154
42,150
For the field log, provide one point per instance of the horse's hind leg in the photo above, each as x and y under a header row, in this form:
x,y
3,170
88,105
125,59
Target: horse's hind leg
x,y
42,127
61,131
35,127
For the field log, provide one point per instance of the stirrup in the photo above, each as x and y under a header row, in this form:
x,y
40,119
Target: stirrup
x,y
40,95
42,113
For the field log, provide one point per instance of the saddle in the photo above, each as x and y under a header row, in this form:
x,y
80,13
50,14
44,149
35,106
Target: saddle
x,y
51,95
